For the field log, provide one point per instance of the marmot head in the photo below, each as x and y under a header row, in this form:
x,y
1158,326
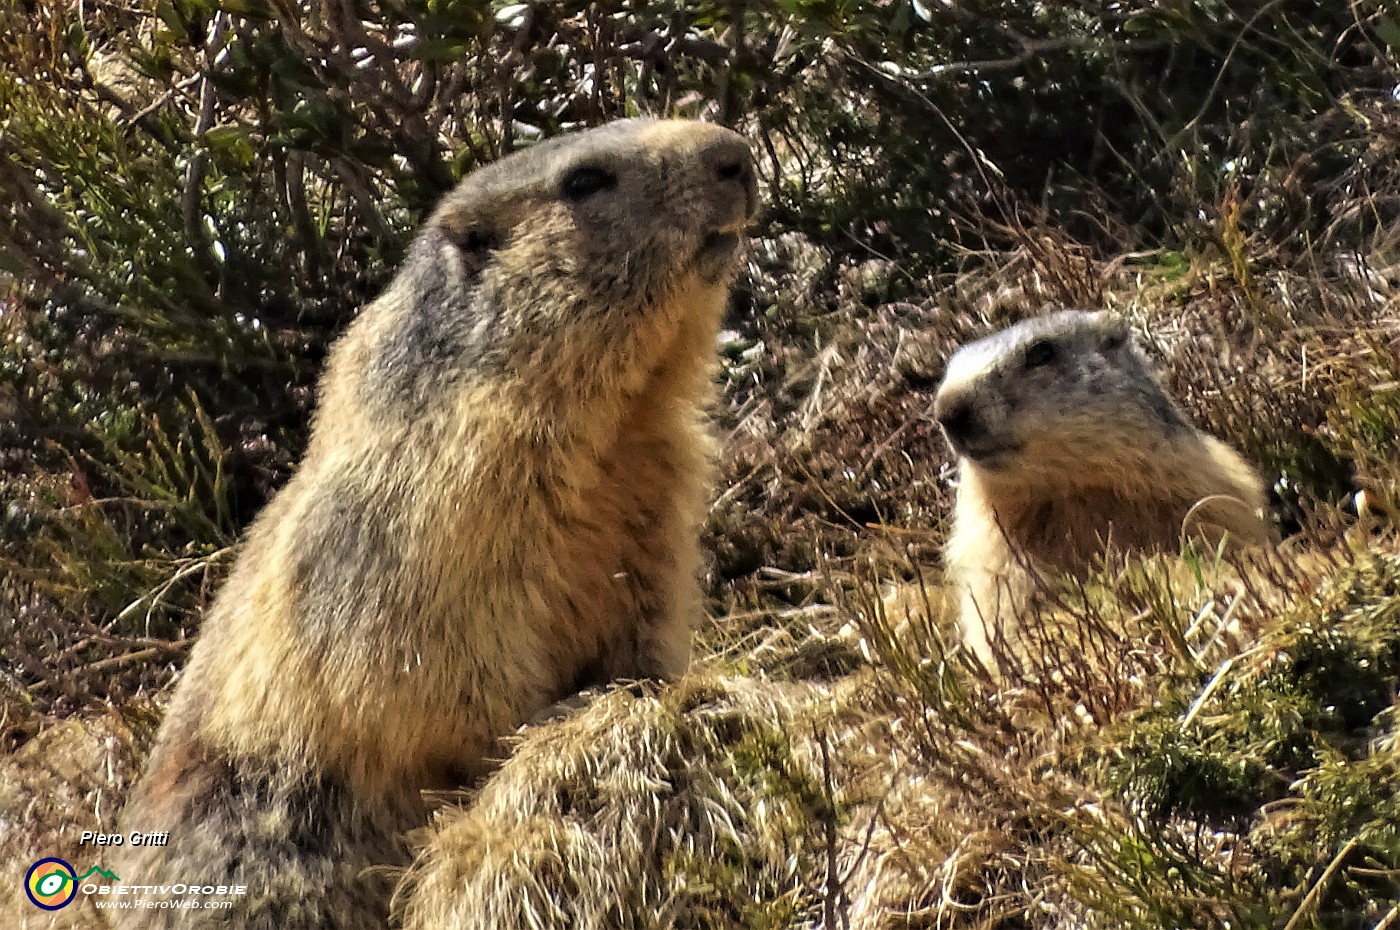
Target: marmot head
x,y
1064,399
575,257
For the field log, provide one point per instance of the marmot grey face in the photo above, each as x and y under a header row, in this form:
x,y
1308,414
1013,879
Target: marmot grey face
x,y
620,212
556,261
1052,395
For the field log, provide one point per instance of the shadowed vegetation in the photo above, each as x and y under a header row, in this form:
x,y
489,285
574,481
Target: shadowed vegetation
x,y
196,196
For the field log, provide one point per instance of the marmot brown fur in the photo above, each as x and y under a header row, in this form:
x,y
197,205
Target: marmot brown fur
x,y
1067,443
499,505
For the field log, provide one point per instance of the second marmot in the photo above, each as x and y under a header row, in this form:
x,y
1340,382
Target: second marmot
x,y
1067,443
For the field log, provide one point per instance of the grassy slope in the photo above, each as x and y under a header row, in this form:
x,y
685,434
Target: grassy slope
x,y
1195,744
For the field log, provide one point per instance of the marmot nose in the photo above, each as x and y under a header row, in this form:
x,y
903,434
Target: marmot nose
x,y
958,420
728,160
734,169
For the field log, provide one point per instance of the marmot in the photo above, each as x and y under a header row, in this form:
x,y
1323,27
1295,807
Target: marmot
x,y
1067,443
499,504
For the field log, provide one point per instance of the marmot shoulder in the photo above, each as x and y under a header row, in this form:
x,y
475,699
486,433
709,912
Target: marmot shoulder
x,y
499,504
1067,442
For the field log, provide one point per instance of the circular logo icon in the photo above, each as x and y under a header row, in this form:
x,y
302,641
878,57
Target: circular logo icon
x,y
51,883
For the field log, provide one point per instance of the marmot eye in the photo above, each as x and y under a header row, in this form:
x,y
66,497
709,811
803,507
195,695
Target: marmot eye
x,y
587,181
1115,339
480,240
1040,353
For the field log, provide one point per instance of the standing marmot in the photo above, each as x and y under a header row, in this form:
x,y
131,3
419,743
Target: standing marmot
x,y
1067,442
499,504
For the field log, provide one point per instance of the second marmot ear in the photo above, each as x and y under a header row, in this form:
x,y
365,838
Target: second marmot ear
x,y
477,240
586,180
1115,337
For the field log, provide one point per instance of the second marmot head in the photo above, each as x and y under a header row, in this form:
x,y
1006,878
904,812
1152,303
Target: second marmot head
x,y
1066,398
1068,443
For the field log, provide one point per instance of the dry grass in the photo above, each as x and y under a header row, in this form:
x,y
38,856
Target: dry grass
x,y
1184,742
699,806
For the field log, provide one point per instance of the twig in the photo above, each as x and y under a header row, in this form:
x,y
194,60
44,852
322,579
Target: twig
x,y
1310,899
1031,49
104,665
142,115
192,199
834,899
1207,691
156,594
1390,918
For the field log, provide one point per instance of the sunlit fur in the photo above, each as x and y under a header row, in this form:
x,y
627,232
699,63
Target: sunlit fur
x,y
1072,455
499,504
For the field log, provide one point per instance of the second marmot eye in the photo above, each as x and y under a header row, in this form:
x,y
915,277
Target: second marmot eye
x,y
587,181
1040,353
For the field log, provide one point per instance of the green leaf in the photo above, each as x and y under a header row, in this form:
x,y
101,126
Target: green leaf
x,y
11,265
232,143
252,9
1389,31
173,21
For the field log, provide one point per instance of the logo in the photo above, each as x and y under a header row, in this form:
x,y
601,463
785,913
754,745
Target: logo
x,y
51,884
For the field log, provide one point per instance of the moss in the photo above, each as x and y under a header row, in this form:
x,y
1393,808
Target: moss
x,y
1135,876
1289,748
1345,817
1167,770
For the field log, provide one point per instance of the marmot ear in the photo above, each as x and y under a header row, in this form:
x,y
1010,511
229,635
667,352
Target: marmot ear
x,y
473,243
476,240
1115,336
